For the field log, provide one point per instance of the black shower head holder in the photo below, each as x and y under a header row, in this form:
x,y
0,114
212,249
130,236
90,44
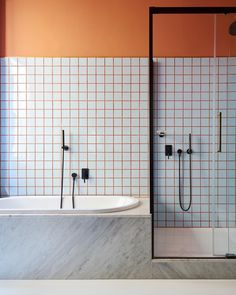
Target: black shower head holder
x,y
189,151
179,151
74,175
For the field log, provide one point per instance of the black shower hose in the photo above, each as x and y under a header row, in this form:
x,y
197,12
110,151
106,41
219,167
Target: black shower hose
x,y
62,175
190,181
74,175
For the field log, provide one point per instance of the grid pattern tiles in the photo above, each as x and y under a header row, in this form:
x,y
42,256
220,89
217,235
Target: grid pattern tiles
x,y
101,103
184,91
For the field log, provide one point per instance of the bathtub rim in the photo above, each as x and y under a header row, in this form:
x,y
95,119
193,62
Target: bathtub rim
x,y
142,210
130,202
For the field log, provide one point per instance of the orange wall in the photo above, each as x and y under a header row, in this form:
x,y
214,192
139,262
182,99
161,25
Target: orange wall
x,y
106,28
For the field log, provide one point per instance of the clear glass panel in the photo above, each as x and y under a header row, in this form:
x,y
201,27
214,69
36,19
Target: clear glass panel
x,y
224,117
195,92
183,90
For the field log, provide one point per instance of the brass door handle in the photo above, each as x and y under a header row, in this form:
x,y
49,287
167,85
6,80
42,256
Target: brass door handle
x,y
219,150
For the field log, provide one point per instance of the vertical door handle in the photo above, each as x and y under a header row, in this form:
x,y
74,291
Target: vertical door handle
x,y
219,132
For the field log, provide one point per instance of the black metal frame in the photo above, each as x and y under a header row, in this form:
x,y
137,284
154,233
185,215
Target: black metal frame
x,y
152,12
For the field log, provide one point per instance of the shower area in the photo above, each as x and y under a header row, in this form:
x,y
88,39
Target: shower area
x,y
192,67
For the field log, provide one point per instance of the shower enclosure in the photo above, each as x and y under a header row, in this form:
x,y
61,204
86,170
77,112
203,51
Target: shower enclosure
x,y
192,67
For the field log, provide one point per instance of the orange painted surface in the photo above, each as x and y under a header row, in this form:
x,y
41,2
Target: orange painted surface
x,y
109,28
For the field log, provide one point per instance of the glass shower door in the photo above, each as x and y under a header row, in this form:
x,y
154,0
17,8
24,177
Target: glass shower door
x,y
224,137
182,110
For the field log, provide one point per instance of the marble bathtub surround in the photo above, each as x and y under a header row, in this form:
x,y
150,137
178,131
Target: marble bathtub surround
x,y
57,246
109,246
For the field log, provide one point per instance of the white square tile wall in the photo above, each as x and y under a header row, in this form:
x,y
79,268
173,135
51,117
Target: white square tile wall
x,y
184,92
101,103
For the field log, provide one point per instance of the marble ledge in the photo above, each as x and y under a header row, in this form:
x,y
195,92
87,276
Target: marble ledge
x,y
194,268
75,247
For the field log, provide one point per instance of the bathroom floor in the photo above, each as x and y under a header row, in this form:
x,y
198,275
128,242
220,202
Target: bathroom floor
x,y
121,287
194,242
183,242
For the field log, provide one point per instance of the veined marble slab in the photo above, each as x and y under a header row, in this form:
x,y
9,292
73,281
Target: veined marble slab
x,y
74,247
108,246
194,269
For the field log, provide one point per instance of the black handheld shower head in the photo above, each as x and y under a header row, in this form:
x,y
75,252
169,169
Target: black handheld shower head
x,y
64,147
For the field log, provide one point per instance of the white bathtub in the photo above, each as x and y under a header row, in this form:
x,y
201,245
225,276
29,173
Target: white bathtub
x,y
83,204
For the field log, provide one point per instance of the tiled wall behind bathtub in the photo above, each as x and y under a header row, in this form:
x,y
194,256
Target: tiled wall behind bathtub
x,y
101,103
183,104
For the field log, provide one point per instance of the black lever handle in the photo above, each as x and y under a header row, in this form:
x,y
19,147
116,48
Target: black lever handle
x,y
85,174
168,150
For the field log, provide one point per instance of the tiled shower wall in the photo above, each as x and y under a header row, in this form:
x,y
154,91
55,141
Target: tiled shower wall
x,y
101,103
184,90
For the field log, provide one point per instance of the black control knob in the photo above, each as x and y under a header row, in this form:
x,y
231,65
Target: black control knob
x,y
179,151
